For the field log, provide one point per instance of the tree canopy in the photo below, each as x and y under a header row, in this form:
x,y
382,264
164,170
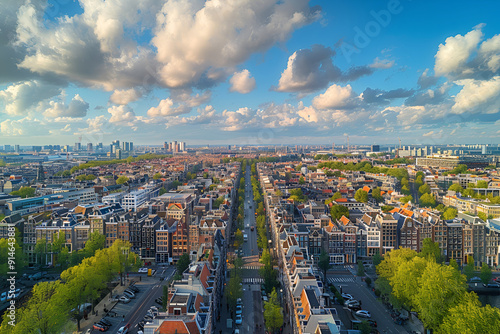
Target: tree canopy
x,y
361,196
24,192
337,211
122,179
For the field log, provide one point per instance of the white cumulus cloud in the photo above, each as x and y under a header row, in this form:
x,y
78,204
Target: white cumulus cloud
x,y
242,82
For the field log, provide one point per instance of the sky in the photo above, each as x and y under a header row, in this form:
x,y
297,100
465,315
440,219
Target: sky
x,y
249,72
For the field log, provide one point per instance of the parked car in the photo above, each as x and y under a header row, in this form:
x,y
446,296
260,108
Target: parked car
x,y
493,285
134,288
251,228
129,294
354,307
124,299
363,314
475,280
238,301
141,324
106,322
124,329
239,319
239,309
351,301
100,328
159,300
347,296
148,317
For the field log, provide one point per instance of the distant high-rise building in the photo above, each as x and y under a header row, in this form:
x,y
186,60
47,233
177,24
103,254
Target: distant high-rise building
x,y
165,146
118,153
7,148
375,148
131,147
78,147
182,146
89,147
36,148
17,148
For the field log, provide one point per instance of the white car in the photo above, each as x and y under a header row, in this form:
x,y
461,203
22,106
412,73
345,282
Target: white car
x,y
143,270
124,299
347,296
363,314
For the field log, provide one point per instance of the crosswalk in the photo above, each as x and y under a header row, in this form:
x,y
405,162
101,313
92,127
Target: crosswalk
x,y
252,267
333,280
252,280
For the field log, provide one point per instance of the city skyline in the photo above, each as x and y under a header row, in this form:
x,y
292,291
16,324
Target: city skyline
x,y
256,73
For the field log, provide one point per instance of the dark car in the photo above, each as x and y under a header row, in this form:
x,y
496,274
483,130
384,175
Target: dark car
x,y
134,288
141,324
354,307
159,300
106,322
100,327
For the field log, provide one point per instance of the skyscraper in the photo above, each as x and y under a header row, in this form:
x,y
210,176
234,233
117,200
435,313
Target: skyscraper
x,y
89,147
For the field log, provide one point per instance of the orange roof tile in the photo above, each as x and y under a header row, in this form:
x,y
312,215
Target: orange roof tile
x,y
344,220
367,189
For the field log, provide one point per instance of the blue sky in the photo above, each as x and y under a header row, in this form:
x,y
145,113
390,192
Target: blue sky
x,y
261,72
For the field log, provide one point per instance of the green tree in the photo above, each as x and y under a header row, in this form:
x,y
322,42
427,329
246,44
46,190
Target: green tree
x,y
122,179
387,208
45,312
96,241
361,269
162,191
297,195
454,264
238,239
337,211
377,258
469,269
430,249
377,194
427,200
406,199
419,180
456,188
234,290
449,214
273,313
157,176
482,216
183,263
6,251
302,180
324,262
469,317
424,189
440,288
24,192
482,184
405,182
218,202
485,273
361,196
279,193
405,190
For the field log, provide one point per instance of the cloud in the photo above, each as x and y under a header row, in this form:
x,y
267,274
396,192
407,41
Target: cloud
x,y
489,53
242,82
312,69
194,36
125,96
379,96
77,107
121,115
453,55
382,63
21,97
335,97
26,126
164,108
425,80
429,96
187,99
478,96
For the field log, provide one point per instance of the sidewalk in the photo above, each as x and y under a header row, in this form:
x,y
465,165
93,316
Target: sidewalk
x,y
106,302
